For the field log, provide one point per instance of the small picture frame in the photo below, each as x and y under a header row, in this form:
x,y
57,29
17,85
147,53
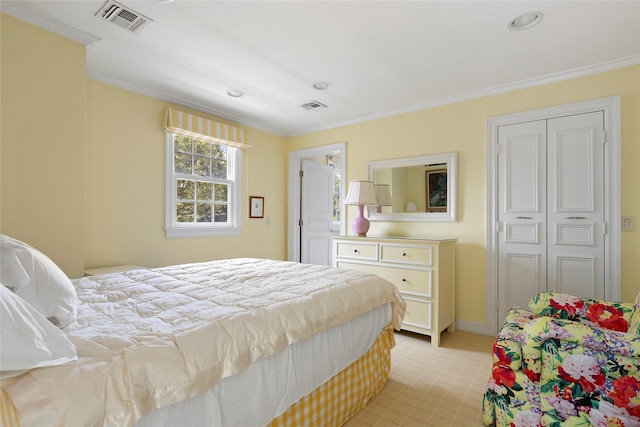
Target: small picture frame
x,y
437,191
256,207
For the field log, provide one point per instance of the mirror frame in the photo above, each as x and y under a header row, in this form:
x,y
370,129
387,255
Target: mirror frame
x,y
451,159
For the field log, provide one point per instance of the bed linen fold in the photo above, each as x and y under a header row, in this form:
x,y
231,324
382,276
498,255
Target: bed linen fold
x,y
151,338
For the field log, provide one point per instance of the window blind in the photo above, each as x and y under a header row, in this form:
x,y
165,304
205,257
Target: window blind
x,y
181,123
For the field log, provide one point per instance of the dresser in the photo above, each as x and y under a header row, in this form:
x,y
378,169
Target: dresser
x,y
422,269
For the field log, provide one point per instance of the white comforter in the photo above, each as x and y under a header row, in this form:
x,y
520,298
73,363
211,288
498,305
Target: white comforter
x,y
150,338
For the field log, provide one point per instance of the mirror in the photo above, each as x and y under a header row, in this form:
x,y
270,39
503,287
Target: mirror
x,y
423,188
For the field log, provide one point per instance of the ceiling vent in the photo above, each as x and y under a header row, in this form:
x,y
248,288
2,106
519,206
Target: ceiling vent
x,y
123,16
313,105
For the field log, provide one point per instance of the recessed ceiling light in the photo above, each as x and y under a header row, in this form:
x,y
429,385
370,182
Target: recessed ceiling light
x,y
525,21
235,93
320,85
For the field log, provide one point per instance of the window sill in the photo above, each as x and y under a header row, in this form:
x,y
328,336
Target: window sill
x,y
189,232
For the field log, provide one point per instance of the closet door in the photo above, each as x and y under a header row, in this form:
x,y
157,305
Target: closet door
x,y
522,211
575,200
550,209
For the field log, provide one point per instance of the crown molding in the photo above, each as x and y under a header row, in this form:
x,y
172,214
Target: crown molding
x,y
496,90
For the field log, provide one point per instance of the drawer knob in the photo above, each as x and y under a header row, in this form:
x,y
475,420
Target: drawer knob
x,y
355,250
404,280
404,254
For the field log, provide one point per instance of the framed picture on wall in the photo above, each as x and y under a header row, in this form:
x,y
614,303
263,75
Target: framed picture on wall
x,y
436,185
256,207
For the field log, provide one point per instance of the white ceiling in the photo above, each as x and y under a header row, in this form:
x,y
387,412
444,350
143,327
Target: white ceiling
x,y
381,57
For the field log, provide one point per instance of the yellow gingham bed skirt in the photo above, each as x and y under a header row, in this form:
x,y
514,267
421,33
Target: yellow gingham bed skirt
x,y
331,404
347,392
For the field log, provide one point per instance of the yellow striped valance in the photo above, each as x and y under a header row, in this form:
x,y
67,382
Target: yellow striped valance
x,y
181,123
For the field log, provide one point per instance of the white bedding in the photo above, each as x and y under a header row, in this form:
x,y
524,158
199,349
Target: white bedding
x,y
144,338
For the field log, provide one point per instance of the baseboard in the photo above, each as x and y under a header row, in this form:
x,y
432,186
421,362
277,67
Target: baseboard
x,y
476,328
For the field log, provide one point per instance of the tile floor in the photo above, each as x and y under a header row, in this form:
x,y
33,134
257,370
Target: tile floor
x,y
430,386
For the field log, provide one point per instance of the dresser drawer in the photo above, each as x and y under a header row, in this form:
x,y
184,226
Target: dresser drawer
x,y
418,313
422,255
409,281
365,251
417,282
355,266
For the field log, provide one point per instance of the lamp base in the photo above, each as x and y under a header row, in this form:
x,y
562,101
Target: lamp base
x,y
360,224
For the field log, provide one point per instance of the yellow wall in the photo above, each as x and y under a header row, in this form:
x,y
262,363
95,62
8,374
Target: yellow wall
x,y
43,124
461,127
126,181
83,166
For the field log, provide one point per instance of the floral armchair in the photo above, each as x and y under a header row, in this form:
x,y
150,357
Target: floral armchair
x,y
567,361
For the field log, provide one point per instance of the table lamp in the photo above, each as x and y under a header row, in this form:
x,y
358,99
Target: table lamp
x,y
361,194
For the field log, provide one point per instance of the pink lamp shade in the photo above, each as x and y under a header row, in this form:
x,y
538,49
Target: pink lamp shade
x,y
361,194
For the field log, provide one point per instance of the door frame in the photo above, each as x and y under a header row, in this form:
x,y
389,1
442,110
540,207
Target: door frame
x,y
612,209
295,161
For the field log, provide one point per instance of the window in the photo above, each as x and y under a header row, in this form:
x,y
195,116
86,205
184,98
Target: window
x,y
203,187
203,172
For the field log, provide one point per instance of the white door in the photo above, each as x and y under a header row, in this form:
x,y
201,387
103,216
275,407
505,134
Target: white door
x,y
550,209
575,215
316,210
522,211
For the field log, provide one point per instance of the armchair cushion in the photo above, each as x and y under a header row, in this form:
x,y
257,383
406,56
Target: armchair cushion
x,y
611,315
587,375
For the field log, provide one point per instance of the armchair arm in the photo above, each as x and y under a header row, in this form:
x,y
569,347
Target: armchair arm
x,y
507,384
610,315
507,348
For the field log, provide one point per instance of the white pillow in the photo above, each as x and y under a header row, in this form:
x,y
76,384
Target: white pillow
x,y
38,280
28,339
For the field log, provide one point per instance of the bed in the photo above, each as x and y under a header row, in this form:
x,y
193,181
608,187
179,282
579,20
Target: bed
x,y
239,342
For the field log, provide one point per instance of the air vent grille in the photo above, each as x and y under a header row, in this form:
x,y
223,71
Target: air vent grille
x,y
123,16
313,105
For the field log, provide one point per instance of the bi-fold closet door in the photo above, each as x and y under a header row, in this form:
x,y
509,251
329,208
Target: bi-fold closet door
x,y
551,221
